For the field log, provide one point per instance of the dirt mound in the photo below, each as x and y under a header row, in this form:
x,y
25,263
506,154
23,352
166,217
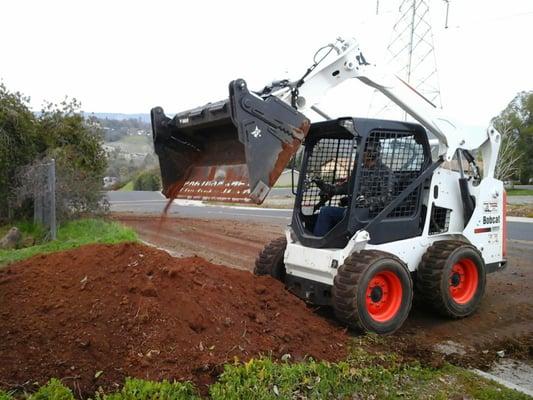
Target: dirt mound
x,y
132,310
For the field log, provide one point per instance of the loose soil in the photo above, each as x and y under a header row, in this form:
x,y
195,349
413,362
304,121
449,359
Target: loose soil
x,y
133,310
504,320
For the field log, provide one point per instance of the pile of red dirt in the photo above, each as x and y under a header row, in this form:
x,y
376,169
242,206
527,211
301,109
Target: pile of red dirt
x,y
133,310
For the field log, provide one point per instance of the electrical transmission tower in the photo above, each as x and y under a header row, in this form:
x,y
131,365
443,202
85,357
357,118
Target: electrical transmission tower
x,y
411,52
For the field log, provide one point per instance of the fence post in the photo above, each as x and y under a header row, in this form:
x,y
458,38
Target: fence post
x,y
52,191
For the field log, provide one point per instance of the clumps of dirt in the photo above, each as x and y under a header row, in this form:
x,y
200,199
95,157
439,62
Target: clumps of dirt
x,y
435,354
100,313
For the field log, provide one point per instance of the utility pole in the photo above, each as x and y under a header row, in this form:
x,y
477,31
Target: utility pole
x,y
411,52
412,48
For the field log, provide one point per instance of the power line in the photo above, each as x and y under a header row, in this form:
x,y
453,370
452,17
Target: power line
x,y
411,51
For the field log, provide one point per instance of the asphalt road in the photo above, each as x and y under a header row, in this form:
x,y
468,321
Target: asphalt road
x,y
154,203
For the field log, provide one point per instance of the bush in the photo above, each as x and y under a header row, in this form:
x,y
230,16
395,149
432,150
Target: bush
x,y
77,192
61,132
149,180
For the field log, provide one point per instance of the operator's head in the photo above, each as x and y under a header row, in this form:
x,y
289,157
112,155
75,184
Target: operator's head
x,y
371,153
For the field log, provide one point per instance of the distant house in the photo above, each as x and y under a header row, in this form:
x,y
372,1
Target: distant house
x,y
110,181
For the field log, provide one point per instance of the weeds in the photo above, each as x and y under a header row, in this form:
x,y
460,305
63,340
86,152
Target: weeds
x,y
138,389
359,377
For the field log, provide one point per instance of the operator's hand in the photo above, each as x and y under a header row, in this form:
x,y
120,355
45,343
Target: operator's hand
x,y
325,188
317,181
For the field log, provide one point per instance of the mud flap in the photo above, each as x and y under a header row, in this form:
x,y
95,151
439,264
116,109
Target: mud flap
x,y
232,151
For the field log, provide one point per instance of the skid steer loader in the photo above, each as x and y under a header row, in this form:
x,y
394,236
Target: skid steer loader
x,y
381,207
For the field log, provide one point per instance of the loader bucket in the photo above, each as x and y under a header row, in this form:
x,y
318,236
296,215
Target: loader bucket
x,y
232,150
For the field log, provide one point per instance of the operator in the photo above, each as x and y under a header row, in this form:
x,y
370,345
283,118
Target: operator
x,y
375,188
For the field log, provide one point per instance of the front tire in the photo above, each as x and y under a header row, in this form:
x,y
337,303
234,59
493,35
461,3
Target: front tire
x,y
451,278
270,260
373,291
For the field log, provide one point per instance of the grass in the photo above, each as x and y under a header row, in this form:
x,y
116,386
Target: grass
x,y
128,187
361,376
69,235
520,192
520,210
136,139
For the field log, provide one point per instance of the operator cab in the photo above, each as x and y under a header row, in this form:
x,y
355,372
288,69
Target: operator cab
x,y
379,169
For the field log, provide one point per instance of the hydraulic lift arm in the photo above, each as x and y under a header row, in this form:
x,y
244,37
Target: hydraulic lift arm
x,y
235,149
350,63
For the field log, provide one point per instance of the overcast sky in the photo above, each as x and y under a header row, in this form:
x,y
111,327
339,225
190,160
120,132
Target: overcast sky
x,y
128,56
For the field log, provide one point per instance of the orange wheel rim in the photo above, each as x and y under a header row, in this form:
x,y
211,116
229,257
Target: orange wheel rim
x,y
463,281
384,296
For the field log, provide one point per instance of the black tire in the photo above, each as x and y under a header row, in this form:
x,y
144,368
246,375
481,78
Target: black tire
x,y
270,260
439,281
354,300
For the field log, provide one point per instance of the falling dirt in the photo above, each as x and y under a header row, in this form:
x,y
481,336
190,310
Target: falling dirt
x,y
133,310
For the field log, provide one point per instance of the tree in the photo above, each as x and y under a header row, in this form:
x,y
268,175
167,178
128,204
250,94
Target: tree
x,y
515,123
59,132
19,141
78,141
147,180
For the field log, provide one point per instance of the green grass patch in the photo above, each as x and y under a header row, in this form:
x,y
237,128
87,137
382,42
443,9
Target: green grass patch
x,y
53,390
519,192
133,389
128,187
138,389
360,376
69,235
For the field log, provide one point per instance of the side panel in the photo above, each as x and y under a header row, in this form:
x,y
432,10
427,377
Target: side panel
x,y
445,193
485,228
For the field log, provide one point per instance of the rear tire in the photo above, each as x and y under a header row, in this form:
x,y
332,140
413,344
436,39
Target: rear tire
x,y
451,278
270,260
373,291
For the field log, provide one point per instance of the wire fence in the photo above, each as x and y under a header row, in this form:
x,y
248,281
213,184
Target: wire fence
x,y
37,183
44,200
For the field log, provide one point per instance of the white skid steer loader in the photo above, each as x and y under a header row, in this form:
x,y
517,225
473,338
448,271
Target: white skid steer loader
x,y
378,210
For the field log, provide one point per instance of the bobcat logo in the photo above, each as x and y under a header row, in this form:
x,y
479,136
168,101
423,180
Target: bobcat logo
x,y
489,220
256,133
